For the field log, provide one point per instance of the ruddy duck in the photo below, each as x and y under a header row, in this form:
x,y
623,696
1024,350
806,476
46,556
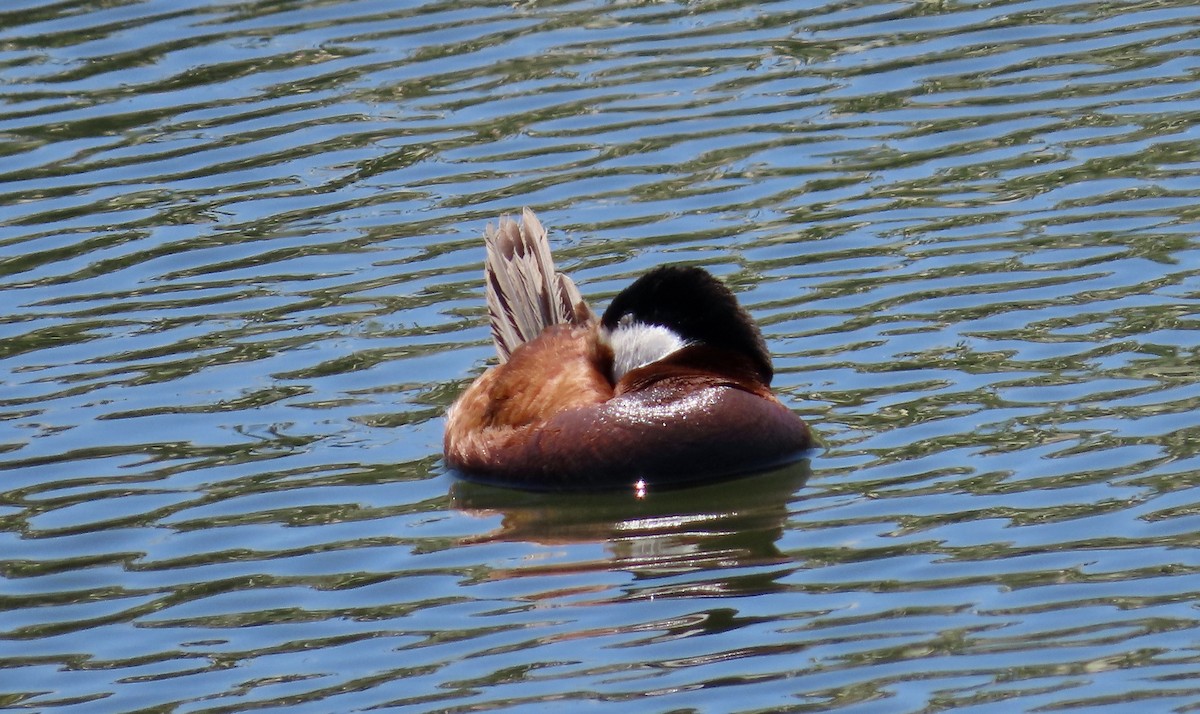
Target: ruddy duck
x,y
670,386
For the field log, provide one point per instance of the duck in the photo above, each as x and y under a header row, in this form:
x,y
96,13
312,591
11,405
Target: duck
x,y
670,386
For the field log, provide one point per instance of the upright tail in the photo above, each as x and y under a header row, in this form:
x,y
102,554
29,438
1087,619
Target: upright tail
x,y
524,293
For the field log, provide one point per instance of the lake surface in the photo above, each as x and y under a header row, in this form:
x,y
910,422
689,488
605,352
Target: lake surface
x,y
240,272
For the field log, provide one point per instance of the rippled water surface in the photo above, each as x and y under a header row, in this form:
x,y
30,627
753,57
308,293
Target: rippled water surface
x,y
240,270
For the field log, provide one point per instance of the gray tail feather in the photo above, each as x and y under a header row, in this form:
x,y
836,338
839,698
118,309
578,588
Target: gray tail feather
x,y
524,294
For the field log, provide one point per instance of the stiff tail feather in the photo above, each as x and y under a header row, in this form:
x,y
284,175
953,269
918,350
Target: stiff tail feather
x,y
524,293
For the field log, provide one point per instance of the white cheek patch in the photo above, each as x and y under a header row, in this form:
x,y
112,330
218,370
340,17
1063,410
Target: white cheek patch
x,y
635,344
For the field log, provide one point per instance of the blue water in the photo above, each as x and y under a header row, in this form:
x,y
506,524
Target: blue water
x,y
240,273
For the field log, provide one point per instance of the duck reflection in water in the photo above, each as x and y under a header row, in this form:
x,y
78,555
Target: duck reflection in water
x,y
720,526
670,386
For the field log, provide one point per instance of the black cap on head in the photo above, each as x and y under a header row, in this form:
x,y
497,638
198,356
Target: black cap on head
x,y
697,306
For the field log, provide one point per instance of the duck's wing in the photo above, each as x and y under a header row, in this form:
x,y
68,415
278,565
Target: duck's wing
x,y
524,293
